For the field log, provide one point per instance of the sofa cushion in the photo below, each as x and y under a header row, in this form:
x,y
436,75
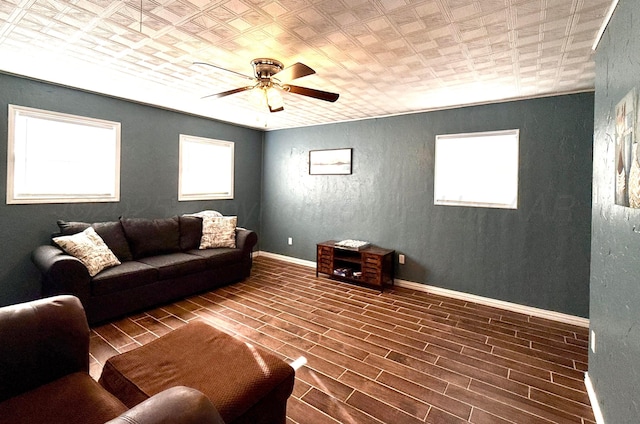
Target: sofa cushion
x,y
149,237
219,256
111,232
74,398
190,232
218,232
173,265
126,276
90,249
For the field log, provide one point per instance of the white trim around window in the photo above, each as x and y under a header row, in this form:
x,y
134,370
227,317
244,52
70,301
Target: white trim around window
x,y
55,157
477,169
206,170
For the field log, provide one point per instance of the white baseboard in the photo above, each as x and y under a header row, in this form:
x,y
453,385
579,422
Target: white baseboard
x,y
593,399
290,259
514,307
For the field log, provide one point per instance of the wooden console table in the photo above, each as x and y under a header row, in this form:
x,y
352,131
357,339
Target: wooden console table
x,y
371,266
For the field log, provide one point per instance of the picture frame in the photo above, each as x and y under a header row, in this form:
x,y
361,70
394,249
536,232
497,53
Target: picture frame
x,y
330,161
627,153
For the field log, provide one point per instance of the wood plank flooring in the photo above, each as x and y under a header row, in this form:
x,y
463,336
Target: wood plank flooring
x,y
400,356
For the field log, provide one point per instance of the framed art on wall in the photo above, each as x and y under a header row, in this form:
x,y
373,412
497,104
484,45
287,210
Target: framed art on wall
x,y
627,164
330,162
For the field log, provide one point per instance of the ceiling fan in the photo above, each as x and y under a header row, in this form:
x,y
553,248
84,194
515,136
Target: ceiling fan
x,y
270,78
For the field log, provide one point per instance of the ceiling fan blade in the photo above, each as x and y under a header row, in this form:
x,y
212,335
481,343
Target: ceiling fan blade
x,y
224,69
277,109
312,92
295,71
228,93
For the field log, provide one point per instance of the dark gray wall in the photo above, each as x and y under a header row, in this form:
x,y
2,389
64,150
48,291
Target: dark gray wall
x,y
615,248
148,181
537,255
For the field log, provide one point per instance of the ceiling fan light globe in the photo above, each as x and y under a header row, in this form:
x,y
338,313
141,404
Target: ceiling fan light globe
x,y
274,99
258,98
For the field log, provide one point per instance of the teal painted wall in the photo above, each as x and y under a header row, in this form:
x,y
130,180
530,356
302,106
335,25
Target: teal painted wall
x,y
537,255
149,174
615,248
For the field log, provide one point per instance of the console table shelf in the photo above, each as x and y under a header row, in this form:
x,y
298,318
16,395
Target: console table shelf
x,y
372,266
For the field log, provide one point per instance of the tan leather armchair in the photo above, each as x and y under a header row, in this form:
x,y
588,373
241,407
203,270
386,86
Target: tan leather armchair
x,y
44,374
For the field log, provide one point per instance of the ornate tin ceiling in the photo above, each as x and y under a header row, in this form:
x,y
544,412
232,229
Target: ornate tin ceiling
x,y
384,57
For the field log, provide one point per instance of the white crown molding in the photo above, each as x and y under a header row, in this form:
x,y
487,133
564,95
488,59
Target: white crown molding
x,y
513,307
604,25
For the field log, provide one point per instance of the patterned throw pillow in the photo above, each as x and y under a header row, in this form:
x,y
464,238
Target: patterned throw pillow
x,y
90,249
218,232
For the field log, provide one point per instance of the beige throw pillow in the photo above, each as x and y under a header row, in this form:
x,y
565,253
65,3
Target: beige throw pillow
x,y
218,232
90,249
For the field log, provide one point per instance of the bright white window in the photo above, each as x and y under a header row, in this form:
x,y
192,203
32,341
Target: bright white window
x,y
59,158
206,169
478,169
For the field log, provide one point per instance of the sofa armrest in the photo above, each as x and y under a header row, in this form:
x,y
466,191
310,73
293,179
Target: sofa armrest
x,y
175,405
61,273
41,341
246,240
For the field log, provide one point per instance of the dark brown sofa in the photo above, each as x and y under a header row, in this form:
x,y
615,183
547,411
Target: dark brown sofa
x,y
44,374
160,262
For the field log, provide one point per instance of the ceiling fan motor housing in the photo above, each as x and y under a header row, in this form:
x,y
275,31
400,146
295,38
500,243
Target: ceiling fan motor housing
x,y
265,68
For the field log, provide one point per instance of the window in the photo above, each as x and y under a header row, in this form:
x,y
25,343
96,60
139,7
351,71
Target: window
x,y
479,169
206,169
59,158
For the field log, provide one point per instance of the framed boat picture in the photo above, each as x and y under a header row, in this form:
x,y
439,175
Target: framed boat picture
x,y
330,162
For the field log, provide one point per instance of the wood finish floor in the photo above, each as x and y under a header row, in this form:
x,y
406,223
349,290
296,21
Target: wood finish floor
x,y
400,356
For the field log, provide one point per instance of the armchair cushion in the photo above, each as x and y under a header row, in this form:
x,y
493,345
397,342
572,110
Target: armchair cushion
x,y
41,341
75,398
178,404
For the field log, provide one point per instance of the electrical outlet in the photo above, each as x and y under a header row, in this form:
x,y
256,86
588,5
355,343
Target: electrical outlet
x,y
401,259
593,341
290,241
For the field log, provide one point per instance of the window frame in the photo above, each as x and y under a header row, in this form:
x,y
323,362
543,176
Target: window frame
x,y
510,171
13,197
183,194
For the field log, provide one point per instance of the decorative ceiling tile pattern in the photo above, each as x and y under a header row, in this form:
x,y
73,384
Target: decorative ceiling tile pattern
x,y
384,57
